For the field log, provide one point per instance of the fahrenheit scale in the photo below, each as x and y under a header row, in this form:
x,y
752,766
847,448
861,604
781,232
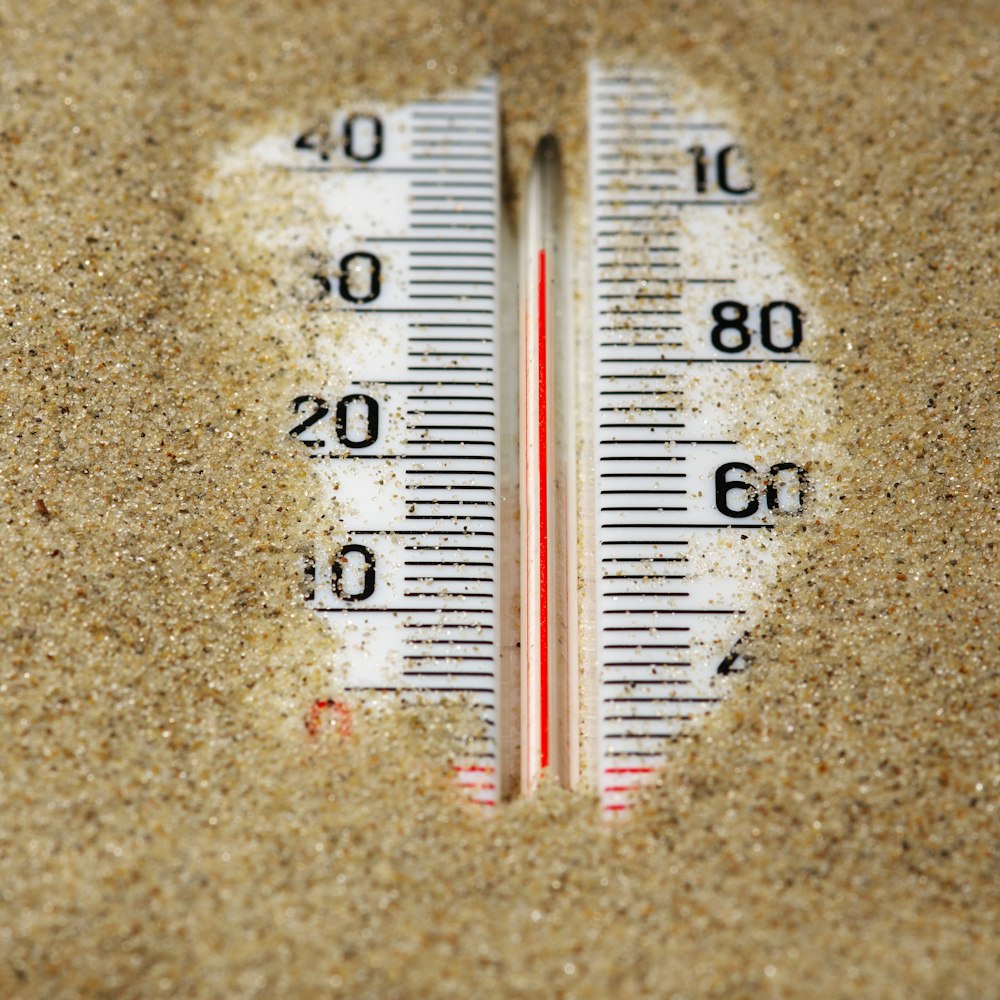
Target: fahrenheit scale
x,y
550,446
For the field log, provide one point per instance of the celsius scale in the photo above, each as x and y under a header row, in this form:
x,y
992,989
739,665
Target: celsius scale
x,y
533,434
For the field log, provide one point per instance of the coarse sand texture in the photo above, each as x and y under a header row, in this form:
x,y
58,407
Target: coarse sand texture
x,y
167,825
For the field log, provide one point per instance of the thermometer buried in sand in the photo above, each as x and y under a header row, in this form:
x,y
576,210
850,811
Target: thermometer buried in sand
x,y
612,450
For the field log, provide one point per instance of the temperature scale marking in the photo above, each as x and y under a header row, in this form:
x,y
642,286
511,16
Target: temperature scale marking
x,y
645,507
401,416
671,209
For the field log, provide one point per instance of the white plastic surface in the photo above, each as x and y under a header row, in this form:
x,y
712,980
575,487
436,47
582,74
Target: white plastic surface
x,y
402,244
676,582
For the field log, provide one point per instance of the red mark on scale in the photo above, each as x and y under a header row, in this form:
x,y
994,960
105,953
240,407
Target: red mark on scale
x,y
481,782
314,717
543,518
634,785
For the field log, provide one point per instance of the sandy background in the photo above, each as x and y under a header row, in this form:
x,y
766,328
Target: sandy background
x,y
833,832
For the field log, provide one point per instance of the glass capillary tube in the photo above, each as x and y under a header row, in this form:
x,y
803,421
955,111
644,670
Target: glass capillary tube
x,y
549,738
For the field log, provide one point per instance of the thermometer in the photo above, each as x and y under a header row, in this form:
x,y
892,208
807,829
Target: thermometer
x,y
543,440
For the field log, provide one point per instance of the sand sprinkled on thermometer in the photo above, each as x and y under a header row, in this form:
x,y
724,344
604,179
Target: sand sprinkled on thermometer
x,y
174,823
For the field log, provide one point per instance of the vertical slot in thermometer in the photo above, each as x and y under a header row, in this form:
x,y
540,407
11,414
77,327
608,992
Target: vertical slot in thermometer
x,y
550,733
581,563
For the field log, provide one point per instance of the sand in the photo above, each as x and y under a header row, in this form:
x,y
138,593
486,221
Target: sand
x,y
167,828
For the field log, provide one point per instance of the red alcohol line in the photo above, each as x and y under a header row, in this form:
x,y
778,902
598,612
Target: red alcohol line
x,y
543,517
